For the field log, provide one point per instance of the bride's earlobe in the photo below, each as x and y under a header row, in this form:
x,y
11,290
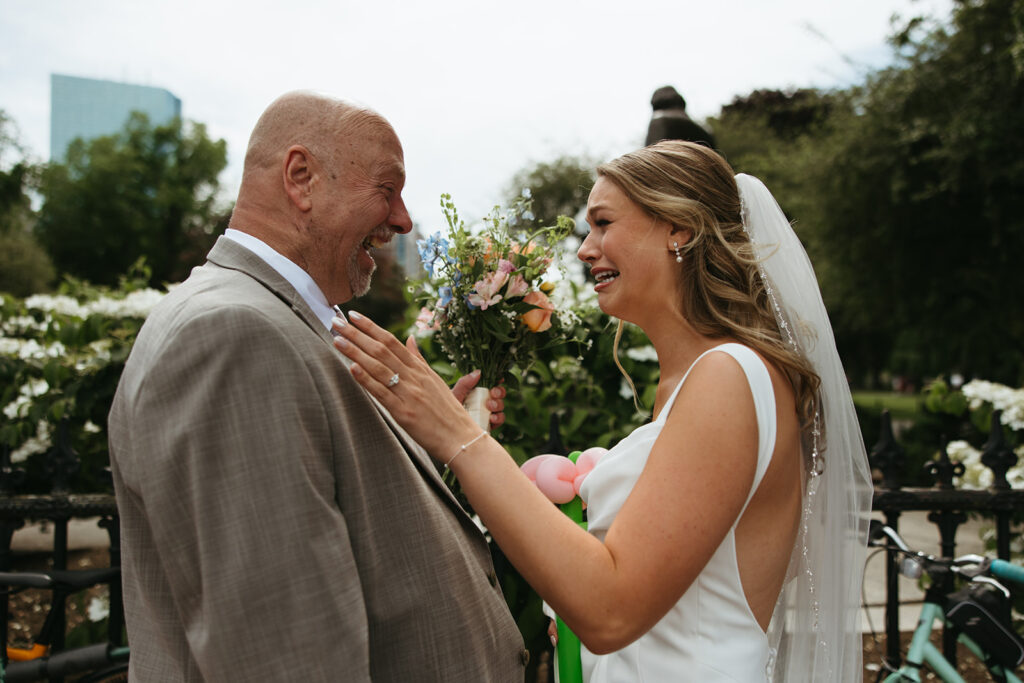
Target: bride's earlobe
x,y
678,238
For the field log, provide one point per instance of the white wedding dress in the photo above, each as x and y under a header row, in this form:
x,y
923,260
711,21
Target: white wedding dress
x,y
710,635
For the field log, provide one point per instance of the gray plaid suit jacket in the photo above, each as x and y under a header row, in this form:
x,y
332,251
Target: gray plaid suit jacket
x,y
276,524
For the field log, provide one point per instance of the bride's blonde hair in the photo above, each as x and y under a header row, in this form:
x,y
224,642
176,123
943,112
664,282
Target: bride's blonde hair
x,y
721,290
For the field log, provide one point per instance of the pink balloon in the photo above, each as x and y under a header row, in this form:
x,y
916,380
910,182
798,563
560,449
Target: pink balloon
x,y
529,467
555,479
558,477
586,462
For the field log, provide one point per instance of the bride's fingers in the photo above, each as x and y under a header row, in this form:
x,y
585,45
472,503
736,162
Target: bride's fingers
x,y
372,357
371,373
389,344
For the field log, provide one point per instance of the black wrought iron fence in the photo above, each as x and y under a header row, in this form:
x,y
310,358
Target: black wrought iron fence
x,y
947,508
57,508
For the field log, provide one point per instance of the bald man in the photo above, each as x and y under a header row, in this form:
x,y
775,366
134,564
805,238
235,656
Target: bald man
x,y
276,524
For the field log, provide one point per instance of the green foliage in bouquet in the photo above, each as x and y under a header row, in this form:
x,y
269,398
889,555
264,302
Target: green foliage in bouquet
x,y
485,298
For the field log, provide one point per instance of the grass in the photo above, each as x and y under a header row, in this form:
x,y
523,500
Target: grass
x,y
900,406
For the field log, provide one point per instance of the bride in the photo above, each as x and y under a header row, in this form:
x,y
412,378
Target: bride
x,y
726,536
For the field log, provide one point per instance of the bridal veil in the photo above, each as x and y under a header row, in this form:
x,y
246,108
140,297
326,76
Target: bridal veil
x,y
815,630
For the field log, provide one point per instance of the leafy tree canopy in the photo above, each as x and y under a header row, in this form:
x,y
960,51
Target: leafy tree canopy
x,y
557,188
18,175
25,267
925,195
147,191
908,191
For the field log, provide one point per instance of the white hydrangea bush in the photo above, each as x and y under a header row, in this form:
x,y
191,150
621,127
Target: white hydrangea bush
x,y
61,356
987,396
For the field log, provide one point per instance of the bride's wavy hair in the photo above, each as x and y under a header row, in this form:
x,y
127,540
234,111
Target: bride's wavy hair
x,y
722,291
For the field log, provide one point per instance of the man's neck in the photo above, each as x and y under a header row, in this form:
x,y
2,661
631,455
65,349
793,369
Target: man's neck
x,y
291,271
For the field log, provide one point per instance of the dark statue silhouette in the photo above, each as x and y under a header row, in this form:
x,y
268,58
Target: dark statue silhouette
x,y
669,121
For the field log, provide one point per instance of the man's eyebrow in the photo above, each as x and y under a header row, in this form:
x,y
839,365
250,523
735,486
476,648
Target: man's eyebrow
x,y
394,168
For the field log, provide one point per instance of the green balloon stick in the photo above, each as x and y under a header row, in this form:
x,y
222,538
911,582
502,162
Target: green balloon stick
x,y
567,652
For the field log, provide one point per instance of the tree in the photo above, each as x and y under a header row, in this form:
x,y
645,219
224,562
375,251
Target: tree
x,y
147,191
925,201
908,192
17,176
24,266
557,188
783,138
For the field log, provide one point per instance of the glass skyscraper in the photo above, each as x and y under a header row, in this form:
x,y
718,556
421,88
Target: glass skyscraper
x,y
88,108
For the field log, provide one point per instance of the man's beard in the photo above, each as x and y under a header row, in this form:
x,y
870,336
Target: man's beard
x,y
359,280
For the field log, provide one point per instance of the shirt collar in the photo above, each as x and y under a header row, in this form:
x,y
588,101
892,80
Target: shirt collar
x,y
296,276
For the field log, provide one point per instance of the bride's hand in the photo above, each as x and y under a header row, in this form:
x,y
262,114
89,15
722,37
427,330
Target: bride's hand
x,y
495,399
419,399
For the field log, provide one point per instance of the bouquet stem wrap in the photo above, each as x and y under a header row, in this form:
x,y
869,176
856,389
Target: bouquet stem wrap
x,y
476,405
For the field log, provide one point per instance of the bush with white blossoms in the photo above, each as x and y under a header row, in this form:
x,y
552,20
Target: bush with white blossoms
x,y
978,400
61,357
981,394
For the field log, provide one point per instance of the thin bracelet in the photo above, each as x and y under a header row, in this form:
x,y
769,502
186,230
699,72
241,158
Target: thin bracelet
x,y
463,447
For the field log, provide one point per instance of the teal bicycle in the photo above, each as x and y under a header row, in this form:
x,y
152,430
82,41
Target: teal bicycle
x,y
979,612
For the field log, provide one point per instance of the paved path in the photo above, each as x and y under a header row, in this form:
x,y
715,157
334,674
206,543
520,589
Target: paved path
x,y
83,534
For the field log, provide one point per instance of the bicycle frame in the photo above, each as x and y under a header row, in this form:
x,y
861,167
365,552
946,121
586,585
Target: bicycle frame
x,y
922,651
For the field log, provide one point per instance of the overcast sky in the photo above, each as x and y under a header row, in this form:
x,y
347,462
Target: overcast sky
x,y
475,89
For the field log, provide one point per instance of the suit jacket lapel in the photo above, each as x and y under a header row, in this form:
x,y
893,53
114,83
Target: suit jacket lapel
x,y
227,253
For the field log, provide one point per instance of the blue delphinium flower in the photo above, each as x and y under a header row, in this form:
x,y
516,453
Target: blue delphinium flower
x,y
426,256
446,296
430,249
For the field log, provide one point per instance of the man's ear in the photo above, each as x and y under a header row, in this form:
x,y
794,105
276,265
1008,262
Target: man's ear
x,y
299,176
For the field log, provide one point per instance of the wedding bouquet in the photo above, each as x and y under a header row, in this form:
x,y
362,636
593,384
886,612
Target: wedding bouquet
x,y
485,297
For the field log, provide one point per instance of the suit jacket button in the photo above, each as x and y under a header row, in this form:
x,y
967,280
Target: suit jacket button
x,y
492,577
524,657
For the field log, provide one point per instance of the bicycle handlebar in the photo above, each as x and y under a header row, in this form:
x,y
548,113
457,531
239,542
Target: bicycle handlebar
x,y
969,566
1004,570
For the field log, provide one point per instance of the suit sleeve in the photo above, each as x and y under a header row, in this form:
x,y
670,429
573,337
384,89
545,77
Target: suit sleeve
x,y
240,498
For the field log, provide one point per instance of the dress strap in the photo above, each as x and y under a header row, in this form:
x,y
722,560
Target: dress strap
x,y
675,392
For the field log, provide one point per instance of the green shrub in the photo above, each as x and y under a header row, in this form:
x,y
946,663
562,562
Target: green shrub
x,y
25,267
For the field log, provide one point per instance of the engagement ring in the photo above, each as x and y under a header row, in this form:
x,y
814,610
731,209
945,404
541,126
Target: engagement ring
x,y
393,381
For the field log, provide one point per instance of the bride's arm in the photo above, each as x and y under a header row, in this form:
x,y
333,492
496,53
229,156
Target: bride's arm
x,y
691,491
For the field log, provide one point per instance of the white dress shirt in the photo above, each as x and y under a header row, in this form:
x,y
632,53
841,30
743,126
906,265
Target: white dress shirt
x,y
296,276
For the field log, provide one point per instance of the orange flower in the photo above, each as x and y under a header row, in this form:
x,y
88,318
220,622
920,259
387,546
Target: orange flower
x,y
538,319
525,250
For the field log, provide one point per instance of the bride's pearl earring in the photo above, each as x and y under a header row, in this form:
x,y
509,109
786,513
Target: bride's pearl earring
x,y
675,247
